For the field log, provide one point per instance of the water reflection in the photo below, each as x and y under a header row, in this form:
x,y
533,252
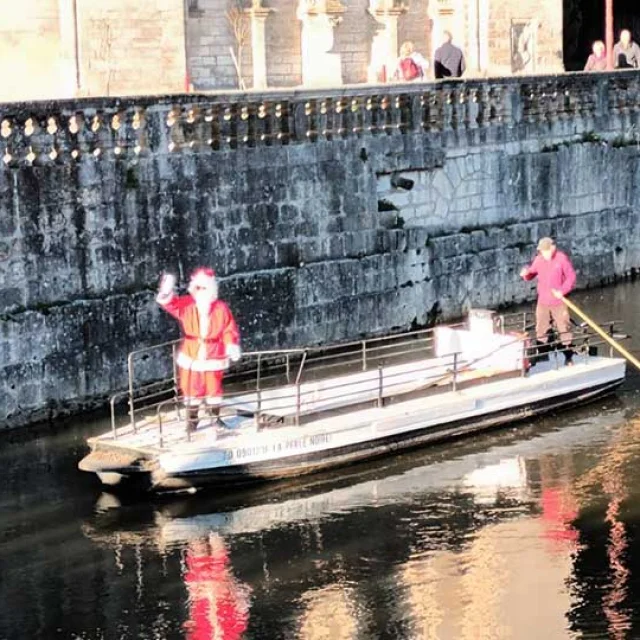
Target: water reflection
x,y
468,542
527,533
603,580
218,603
328,613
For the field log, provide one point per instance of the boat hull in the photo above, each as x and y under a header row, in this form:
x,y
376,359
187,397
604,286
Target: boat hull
x,y
348,404
311,462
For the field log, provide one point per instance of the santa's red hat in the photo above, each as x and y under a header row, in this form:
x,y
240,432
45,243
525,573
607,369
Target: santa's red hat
x,y
203,278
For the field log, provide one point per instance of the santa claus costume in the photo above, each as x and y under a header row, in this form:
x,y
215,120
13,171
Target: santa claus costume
x,y
210,340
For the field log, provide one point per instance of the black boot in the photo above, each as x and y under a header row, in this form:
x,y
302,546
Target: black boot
x,y
568,355
539,352
214,414
192,419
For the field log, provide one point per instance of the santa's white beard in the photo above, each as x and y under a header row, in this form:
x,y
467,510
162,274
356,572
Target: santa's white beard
x,y
203,305
204,299
203,309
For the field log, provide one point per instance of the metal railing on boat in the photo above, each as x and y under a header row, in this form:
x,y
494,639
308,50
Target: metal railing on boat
x,y
262,371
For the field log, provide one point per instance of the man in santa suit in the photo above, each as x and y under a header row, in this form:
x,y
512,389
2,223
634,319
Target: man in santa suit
x,y
210,340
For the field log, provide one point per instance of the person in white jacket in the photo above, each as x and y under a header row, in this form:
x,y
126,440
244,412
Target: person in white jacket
x,y
411,65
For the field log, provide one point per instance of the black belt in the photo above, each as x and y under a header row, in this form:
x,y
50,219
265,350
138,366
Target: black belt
x,y
199,339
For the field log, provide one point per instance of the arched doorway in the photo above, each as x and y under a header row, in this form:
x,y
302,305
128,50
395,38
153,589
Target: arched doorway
x,y
583,22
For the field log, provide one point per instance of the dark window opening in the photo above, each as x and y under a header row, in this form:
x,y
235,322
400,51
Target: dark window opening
x,y
583,23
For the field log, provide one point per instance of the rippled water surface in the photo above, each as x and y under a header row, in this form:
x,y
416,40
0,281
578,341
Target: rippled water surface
x,y
530,532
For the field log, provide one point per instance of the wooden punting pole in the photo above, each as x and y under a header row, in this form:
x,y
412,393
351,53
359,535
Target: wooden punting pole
x,y
602,333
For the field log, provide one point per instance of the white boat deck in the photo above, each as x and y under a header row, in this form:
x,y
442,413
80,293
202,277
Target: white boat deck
x,y
348,389
316,396
242,443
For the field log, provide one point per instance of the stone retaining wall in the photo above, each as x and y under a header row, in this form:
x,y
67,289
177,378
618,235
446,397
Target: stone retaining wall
x,y
300,203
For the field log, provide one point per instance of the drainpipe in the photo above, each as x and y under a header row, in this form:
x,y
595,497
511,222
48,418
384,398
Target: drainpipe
x,y
76,44
69,46
608,21
479,36
185,20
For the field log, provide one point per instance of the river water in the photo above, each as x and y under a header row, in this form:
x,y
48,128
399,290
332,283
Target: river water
x,y
530,532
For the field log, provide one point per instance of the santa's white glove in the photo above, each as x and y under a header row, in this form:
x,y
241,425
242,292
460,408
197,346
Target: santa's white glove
x,y
167,284
233,352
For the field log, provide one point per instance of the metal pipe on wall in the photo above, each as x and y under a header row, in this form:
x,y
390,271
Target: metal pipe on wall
x,y
478,36
608,22
76,45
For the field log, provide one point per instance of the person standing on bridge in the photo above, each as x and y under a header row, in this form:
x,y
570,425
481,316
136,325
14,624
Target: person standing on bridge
x,y
411,65
448,60
626,53
210,340
597,61
556,278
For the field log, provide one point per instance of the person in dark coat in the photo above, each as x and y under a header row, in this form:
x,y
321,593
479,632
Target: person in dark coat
x,y
626,53
448,61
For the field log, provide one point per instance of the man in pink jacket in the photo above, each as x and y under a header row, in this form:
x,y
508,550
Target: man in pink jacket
x,y
556,278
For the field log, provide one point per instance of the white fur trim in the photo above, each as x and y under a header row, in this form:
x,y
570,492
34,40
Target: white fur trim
x,y
210,401
202,279
167,284
185,362
233,352
164,298
203,317
203,287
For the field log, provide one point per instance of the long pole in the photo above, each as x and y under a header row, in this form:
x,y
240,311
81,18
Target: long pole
x,y
602,333
608,31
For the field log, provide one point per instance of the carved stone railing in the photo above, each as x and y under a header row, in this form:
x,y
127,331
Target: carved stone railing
x,y
456,111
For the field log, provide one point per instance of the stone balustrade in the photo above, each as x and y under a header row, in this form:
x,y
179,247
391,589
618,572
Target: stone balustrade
x,y
459,111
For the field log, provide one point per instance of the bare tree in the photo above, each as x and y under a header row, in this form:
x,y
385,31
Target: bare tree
x,y
239,24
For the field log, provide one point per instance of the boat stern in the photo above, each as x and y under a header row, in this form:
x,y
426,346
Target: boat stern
x,y
116,467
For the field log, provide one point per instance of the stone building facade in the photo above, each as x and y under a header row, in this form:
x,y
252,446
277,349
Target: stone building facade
x,y
69,48
334,42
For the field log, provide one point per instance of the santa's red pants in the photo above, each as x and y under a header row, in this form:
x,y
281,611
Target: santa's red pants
x,y
198,386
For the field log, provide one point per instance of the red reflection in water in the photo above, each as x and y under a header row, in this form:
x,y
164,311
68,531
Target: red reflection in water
x,y
218,603
613,602
559,509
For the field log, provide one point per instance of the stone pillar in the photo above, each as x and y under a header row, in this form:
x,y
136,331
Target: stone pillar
x,y
69,72
320,67
608,33
384,46
257,17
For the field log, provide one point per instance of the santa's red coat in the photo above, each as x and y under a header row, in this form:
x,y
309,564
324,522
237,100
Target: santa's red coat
x,y
202,358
